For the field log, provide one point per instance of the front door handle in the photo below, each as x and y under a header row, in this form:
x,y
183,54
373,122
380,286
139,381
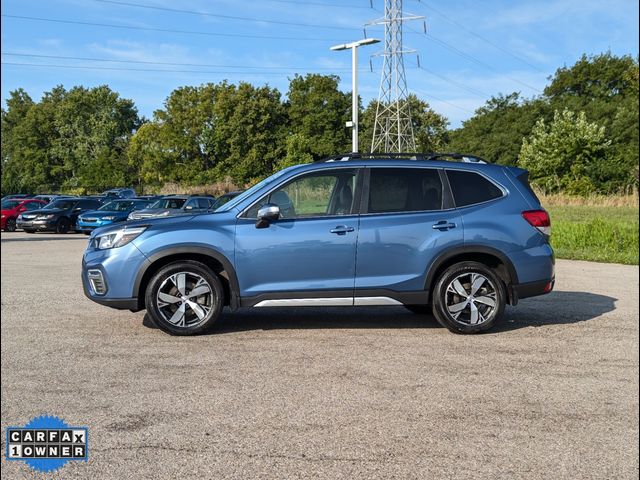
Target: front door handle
x,y
443,225
342,230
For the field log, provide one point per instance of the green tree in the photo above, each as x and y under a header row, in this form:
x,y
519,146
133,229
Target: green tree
x,y
319,111
68,139
210,133
429,127
496,130
564,155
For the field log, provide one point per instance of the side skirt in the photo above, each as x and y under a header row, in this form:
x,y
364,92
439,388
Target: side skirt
x,y
336,299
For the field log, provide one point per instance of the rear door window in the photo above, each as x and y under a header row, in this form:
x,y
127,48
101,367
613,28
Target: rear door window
x,y
404,190
470,188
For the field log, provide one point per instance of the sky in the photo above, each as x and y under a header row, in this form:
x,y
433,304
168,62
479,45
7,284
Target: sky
x,y
144,49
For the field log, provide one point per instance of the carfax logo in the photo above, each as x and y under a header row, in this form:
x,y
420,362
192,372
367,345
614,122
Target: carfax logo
x,y
47,443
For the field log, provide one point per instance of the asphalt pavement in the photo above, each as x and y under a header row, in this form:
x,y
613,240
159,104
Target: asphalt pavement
x,y
324,392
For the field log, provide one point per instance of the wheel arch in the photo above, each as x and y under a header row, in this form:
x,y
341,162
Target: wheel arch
x,y
215,260
488,256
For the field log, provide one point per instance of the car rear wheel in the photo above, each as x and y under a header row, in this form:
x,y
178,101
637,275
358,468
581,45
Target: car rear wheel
x,y
63,225
185,298
469,298
10,226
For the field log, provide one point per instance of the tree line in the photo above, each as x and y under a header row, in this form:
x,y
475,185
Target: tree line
x,y
580,135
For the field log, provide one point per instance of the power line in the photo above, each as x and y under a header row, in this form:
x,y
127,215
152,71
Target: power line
x,y
156,70
148,62
467,56
318,4
165,30
227,17
473,59
483,38
442,100
456,83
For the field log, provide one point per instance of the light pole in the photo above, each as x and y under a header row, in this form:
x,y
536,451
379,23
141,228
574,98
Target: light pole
x,y
354,84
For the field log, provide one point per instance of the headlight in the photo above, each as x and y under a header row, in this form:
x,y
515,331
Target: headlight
x,y
3,216
117,238
110,217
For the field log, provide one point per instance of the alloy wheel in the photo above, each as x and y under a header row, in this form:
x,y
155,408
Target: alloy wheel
x,y
470,299
185,299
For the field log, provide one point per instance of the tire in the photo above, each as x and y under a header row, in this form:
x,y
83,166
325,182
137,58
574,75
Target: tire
x,y
455,298
63,225
10,225
172,313
28,230
419,309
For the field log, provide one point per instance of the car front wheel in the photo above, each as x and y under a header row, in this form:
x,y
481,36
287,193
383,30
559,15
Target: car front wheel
x,y
63,225
184,298
469,298
10,226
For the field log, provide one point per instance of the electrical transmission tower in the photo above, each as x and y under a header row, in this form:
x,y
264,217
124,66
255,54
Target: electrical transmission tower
x,y
393,130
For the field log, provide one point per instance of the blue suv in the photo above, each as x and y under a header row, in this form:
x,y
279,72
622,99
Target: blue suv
x,y
441,233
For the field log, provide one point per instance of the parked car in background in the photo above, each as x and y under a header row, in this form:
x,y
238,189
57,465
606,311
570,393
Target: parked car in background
x,y
222,199
51,197
59,216
111,212
119,193
16,195
174,205
13,207
459,239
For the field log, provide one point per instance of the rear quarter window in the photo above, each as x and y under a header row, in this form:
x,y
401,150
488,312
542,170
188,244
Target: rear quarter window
x,y
469,188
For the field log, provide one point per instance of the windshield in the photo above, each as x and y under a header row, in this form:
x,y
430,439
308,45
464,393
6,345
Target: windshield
x,y
61,204
9,204
229,205
169,203
118,206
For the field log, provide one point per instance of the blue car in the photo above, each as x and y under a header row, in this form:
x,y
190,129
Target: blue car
x,y
111,212
447,234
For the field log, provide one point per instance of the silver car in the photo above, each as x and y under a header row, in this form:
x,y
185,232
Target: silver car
x,y
174,205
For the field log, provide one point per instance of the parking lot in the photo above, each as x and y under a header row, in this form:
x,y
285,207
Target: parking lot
x,y
324,393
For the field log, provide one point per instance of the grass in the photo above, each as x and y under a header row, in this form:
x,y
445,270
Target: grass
x,y
599,233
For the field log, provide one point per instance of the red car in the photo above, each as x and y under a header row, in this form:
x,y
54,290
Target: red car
x,y
12,207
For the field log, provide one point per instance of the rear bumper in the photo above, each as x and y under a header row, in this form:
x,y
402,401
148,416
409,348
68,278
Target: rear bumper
x,y
533,289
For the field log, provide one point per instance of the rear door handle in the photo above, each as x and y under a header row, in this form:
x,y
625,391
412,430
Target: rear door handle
x,y
443,225
342,230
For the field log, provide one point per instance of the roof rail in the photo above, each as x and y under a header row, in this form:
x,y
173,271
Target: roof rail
x,y
452,156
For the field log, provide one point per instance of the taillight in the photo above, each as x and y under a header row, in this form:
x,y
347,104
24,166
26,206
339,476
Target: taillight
x,y
539,219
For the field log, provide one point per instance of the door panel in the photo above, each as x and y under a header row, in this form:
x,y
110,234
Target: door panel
x,y
407,224
296,255
395,250
311,247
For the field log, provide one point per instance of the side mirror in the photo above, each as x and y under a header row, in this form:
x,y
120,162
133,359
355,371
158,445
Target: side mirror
x,y
268,213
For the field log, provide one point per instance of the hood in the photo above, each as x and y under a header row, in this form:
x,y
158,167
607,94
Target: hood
x,y
105,213
154,212
49,211
9,211
150,222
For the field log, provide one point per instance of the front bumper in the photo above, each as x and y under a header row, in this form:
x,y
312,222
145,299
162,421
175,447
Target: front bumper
x,y
45,224
84,226
117,267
